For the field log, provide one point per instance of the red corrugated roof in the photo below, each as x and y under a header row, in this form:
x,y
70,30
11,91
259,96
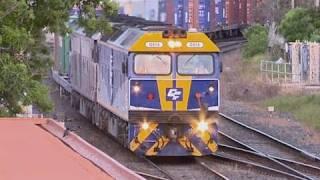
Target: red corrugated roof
x,y
29,152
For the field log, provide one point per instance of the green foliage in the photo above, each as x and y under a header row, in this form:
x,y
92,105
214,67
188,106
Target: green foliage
x,y
304,108
25,58
92,23
18,88
301,24
315,16
257,37
315,36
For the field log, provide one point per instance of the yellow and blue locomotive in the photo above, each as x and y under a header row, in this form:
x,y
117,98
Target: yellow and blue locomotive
x,y
155,89
174,94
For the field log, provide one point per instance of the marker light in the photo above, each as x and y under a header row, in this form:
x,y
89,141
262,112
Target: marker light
x,y
145,126
198,95
136,88
203,126
211,89
174,44
150,96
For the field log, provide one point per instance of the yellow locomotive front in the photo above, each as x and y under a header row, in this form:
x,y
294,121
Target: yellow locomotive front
x,y
174,94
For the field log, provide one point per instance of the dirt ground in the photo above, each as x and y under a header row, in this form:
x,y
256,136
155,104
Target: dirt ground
x,y
241,97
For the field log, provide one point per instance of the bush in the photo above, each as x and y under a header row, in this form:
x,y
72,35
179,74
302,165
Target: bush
x,y
257,37
315,36
301,24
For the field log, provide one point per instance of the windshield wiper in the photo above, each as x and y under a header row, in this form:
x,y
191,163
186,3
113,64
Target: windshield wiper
x,y
188,60
157,56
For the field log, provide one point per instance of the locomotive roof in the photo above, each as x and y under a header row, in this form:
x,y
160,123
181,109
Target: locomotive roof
x,y
137,40
134,33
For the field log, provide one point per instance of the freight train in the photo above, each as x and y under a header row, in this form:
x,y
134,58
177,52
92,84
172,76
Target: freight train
x,y
218,18
155,89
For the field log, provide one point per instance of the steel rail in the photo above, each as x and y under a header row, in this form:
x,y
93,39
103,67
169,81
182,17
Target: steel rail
x,y
234,142
288,168
166,173
258,166
312,171
218,174
231,43
304,153
150,175
277,142
232,46
308,169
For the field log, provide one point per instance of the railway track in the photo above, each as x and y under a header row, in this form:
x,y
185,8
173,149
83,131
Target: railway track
x,y
233,168
184,167
217,174
167,175
231,45
288,164
288,158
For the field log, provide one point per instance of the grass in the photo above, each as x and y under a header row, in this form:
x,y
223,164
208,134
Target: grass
x,y
304,108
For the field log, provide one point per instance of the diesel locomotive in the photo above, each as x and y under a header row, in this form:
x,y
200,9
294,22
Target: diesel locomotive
x,y
154,89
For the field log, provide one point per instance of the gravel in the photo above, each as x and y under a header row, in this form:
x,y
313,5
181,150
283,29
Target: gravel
x,y
280,125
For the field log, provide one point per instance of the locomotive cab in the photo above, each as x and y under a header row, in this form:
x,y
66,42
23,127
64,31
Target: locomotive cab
x,y
174,94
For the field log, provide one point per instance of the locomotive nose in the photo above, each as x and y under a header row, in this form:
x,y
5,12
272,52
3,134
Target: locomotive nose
x,y
174,94
173,134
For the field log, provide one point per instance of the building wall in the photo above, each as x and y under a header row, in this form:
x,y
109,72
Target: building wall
x,y
148,9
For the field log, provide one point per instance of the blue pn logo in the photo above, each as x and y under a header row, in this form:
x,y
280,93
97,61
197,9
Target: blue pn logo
x,y
174,94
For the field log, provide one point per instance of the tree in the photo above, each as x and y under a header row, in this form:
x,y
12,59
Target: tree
x,y
18,88
24,57
257,37
315,15
298,24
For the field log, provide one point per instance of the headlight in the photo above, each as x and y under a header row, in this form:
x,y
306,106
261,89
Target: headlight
x,y
174,44
203,126
145,125
136,88
211,89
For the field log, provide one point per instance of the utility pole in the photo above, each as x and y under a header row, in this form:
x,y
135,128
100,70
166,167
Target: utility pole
x,y
292,4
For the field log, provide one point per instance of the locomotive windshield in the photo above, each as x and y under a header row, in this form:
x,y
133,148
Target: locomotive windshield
x,y
195,64
158,64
